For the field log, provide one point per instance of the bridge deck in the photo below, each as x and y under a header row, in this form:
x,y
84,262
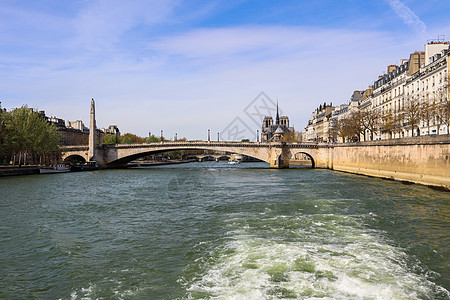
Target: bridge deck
x,y
310,145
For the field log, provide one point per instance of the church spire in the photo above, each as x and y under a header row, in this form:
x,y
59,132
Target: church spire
x,y
278,116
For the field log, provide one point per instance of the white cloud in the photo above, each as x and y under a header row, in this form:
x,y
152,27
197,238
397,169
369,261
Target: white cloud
x,y
101,23
195,79
407,15
204,78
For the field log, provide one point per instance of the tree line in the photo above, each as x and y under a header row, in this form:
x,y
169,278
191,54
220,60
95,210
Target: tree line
x,y
365,123
130,138
26,137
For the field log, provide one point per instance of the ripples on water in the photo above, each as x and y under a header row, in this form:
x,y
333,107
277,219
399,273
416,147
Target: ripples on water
x,y
208,231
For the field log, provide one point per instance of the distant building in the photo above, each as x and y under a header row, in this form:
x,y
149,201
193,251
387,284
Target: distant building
x,y
411,99
78,124
318,128
274,132
74,134
112,129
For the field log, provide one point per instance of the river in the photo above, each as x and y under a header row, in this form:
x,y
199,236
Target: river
x,y
213,231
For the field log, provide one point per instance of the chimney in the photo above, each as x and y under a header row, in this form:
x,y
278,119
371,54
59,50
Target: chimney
x,y
391,68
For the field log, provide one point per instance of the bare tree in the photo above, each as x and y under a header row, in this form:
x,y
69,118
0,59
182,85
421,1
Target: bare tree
x,y
370,121
388,123
442,104
399,119
337,129
354,125
411,111
292,136
427,113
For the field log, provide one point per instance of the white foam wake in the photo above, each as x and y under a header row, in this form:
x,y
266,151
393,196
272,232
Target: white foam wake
x,y
307,257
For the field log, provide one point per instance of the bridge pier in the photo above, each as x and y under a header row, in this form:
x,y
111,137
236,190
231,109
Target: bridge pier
x,y
279,157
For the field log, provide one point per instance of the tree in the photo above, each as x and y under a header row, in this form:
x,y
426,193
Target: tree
x,y
370,121
343,128
154,139
354,125
4,133
129,138
442,104
427,113
292,136
411,112
336,129
388,123
399,118
27,136
110,139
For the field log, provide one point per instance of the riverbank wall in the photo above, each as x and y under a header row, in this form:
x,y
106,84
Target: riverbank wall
x,y
424,160
15,170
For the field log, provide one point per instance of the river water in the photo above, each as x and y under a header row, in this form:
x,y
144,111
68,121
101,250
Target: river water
x,y
213,231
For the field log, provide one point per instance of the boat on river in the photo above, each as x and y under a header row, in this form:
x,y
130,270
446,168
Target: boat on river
x,y
87,166
234,162
59,168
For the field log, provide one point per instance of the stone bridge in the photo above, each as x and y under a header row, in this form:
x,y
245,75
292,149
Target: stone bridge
x,y
277,154
424,160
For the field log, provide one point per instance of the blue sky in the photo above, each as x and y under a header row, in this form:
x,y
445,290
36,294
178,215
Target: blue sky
x,y
186,66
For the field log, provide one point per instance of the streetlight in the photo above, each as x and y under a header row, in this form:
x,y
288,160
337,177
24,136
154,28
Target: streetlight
x,y
209,136
176,136
161,135
217,136
257,136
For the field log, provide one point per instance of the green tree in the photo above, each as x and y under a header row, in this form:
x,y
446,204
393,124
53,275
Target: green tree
x,y
110,139
153,139
129,138
4,134
28,136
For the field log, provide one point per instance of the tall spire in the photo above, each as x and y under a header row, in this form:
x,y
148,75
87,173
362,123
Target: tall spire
x,y
278,116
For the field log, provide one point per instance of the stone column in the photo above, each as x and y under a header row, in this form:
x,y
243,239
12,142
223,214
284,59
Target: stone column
x,y
92,133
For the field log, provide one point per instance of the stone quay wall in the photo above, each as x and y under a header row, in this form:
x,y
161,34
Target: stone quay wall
x,y
15,171
424,160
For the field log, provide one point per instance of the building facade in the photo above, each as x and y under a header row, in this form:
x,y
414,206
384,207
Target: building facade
x,y
411,99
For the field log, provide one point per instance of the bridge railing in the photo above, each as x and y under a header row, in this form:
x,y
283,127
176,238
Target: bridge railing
x,y
216,144
200,144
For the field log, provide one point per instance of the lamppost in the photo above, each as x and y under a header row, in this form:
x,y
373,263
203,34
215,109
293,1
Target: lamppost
x,y
209,136
257,136
176,136
161,135
217,136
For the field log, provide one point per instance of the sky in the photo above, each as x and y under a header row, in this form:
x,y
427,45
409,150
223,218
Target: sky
x,y
188,66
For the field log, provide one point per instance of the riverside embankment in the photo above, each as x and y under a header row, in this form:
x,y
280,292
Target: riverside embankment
x,y
16,170
424,160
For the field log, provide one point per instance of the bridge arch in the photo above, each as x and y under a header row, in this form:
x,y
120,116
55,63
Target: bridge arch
x,y
277,154
127,155
74,158
295,154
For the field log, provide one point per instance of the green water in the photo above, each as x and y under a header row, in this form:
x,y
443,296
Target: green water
x,y
211,231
